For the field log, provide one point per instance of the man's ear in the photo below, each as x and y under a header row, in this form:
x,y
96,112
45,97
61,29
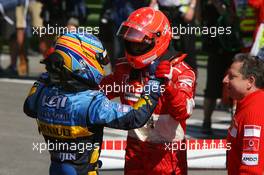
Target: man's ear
x,y
251,81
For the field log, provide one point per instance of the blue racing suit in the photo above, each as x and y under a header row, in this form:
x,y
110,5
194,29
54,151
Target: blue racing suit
x,y
72,123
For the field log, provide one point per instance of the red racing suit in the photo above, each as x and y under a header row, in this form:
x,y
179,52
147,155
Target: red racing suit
x,y
246,135
146,151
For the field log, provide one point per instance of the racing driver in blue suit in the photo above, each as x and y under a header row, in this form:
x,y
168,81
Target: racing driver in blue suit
x,y
71,111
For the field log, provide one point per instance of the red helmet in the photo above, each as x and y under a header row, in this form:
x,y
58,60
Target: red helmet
x,y
146,34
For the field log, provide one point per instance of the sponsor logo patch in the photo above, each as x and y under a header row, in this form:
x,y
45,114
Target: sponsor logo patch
x,y
250,159
185,83
67,156
54,101
61,131
33,89
186,79
250,144
123,108
252,131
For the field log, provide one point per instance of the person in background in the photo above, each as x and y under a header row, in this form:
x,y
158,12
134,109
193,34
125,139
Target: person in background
x,y
147,35
71,111
8,33
61,14
245,83
57,13
181,13
248,21
113,13
221,49
34,8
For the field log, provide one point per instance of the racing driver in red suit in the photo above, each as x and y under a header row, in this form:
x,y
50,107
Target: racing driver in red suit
x,y
147,34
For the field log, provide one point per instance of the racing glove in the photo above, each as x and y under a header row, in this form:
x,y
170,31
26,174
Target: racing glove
x,y
152,68
164,71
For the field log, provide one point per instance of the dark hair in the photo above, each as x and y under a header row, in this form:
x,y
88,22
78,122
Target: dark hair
x,y
252,66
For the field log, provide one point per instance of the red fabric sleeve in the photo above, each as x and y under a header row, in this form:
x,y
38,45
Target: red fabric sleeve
x,y
117,78
179,95
252,144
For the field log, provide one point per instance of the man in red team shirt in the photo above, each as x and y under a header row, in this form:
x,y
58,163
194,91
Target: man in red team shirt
x,y
245,82
147,34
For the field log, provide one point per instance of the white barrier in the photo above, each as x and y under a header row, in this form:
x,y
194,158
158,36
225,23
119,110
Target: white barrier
x,y
203,154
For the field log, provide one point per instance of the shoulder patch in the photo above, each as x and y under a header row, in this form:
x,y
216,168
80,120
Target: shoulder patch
x,y
252,131
250,159
185,80
251,144
33,89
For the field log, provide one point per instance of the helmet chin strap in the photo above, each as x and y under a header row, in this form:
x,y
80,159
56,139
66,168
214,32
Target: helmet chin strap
x,y
72,84
77,86
88,83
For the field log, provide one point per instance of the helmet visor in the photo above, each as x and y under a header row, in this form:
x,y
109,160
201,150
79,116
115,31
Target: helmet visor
x,y
102,58
132,34
138,48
